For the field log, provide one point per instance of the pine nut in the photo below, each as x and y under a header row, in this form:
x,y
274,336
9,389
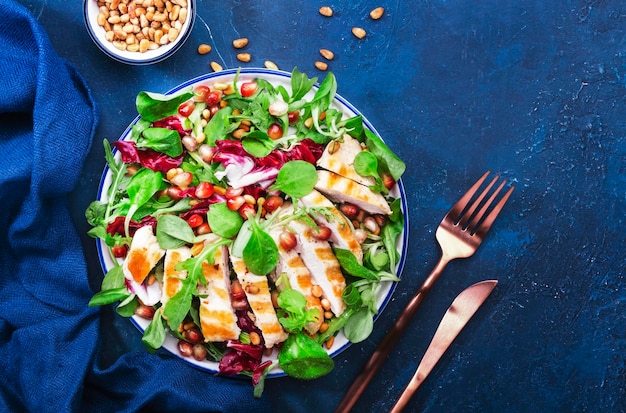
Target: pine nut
x,y
377,13
316,291
327,54
326,11
244,57
204,48
240,43
321,65
358,32
216,67
133,16
270,65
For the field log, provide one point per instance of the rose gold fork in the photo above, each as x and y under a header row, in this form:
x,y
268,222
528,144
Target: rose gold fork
x,y
459,234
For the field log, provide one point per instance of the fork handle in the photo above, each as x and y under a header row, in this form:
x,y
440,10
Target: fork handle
x,y
390,339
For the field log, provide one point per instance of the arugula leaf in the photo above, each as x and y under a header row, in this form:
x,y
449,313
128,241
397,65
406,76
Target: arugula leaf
x,y
292,311
154,106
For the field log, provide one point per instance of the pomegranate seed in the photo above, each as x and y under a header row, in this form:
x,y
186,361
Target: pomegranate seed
x,y
206,152
195,220
233,192
323,233
175,193
275,131
248,89
193,335
349,210
204,190
186,108
388,180
235,203
213,110
119,251
247,210
203,229
185,348
293,117
214,97
272,203
144,311
200,93
287,240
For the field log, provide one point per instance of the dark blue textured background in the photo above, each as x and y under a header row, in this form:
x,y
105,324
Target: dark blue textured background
x,y
534,90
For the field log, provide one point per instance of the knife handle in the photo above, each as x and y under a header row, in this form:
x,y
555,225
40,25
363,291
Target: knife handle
x,y
389,341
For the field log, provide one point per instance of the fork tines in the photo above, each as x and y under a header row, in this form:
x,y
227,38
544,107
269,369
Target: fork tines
x,y
474,213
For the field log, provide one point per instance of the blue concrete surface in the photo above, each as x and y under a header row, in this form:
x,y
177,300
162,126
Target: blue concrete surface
x,y
534,90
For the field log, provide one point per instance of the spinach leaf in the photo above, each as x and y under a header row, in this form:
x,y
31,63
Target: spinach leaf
x,y
349,264
155,106
296,179
303,358
390,160
162,140
223,221
258,144
359,326
218,125
300,85
173,232
366,164
111,296
260,253
154,335
142,186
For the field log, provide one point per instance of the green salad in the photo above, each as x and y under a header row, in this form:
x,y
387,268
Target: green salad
x,y
252,222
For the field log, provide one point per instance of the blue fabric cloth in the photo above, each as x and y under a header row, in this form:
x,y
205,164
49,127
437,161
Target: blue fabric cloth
x,y
49,337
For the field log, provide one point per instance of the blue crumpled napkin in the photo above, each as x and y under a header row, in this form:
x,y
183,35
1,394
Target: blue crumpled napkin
x,y
49,337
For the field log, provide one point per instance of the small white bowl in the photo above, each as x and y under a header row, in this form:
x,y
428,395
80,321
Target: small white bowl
x,y
97,34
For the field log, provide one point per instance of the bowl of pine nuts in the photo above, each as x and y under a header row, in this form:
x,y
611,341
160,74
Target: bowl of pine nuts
x,y
139,32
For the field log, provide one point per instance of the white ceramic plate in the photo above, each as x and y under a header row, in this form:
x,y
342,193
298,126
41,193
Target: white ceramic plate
x,y
97,34
275,78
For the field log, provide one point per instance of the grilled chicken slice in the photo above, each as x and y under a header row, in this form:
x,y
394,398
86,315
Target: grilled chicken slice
x,y
338,157
299,276
143,255
340,189
171,276
319,258
217,316
341,230
258,294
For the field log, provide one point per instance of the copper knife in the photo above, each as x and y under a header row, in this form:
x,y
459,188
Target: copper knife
x,y
459,313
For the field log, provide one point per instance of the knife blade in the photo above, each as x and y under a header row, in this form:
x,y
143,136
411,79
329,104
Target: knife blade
x,y
456,317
